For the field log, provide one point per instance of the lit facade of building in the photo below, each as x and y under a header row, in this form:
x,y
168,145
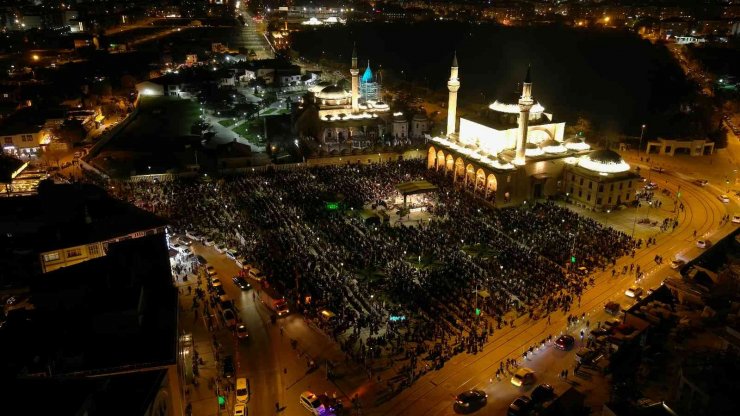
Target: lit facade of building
x,y
369,86
517,152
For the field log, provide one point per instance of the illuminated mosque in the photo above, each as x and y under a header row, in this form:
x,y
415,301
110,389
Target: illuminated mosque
x,y
355,119
517,152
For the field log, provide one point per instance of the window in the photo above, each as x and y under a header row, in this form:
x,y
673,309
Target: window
x,y
588,198
571,190
610,200
598,201
8,140
51,256
93,250
74,252
580,193
590,184
629,185
581,181
601,187
626,197
611,187
620,185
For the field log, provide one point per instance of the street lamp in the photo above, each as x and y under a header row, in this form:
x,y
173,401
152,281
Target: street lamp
x,y
642,133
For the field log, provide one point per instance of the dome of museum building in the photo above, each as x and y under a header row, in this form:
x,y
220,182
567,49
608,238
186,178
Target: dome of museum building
x,y
604,161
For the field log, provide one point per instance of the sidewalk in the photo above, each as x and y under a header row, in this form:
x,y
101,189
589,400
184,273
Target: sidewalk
x,y
202,398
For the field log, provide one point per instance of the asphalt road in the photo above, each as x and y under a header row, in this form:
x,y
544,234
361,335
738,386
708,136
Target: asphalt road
x,y
277,373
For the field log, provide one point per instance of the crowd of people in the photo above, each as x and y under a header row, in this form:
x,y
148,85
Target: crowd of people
x,y
482,267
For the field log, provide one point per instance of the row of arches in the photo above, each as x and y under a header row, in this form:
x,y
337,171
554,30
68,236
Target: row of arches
x,y
476,179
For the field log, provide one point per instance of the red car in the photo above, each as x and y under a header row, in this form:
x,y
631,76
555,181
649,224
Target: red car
x,y
565,342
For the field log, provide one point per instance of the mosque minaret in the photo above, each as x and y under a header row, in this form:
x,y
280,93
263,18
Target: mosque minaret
x,y
452,85
355,72
525,105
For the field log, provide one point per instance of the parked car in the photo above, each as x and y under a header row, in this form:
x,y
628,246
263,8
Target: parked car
x,y
565,342
209,242
240,409
736,219
210,270
585,355
523,377
702,243
242,393
651,186
227,369
701,182
677,264
520,406
724,198
471,399
241,283
633,292
543,393
612,308
229,318
598,332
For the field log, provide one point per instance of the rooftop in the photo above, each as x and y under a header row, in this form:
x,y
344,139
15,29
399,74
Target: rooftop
x,y
68,215
111,314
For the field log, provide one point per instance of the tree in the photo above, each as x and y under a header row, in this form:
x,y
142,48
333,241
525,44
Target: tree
x,y
71,132
52,156
582,128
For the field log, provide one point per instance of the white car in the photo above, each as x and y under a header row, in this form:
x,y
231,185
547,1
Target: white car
x,y
209,242
702,243
240,409
724,198
736,219
633,292
677,263
310,402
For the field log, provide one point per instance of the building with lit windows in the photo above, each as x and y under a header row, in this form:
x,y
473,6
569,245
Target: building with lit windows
x,y
601,180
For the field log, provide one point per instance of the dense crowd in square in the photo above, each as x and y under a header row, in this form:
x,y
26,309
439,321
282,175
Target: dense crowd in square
x,y
506,262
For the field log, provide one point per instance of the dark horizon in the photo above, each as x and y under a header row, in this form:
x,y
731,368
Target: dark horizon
x,y
572,74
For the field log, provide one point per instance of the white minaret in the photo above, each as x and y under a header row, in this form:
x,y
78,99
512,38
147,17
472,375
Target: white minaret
x,y
452,85
355,72
525,104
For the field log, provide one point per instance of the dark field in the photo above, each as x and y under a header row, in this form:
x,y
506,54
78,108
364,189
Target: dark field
x,y
616,79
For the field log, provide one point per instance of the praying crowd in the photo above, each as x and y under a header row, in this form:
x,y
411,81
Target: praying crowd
x,y
430,277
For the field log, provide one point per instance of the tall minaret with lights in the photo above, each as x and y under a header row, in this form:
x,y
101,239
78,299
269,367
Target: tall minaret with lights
x,y
525,104
355,72
452,85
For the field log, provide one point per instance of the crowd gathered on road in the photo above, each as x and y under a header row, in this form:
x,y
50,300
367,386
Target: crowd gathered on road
x,y
429,290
